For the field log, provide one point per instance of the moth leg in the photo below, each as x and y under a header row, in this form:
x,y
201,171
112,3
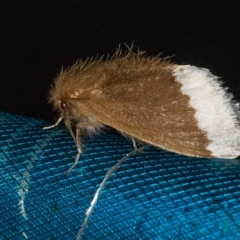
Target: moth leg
x,y
135,145
55,124
78,145
77,138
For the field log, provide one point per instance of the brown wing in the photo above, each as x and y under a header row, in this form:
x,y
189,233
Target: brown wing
x,y
150,109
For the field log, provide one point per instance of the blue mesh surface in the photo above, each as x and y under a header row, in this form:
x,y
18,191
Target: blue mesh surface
x,y
155,195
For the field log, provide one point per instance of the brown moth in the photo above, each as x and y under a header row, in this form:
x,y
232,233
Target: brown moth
x,y
180,108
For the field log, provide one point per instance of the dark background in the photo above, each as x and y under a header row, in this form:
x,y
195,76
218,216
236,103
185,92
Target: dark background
x,y
39,37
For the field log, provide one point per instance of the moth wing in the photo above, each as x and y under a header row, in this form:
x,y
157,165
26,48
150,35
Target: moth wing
x,y
160,130
183,109
154,112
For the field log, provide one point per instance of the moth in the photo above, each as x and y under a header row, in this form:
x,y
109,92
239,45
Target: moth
x,y
180,108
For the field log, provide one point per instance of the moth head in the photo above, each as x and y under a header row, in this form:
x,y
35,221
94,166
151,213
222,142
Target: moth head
x,y
70,112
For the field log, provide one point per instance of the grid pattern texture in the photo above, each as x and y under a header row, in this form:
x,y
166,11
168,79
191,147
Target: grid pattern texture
x,y
155,195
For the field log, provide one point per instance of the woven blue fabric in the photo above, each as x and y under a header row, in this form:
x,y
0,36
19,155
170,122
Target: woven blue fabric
x,y
155,195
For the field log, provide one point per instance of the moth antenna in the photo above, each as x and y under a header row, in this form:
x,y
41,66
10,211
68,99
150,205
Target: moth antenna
x,y
100,188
